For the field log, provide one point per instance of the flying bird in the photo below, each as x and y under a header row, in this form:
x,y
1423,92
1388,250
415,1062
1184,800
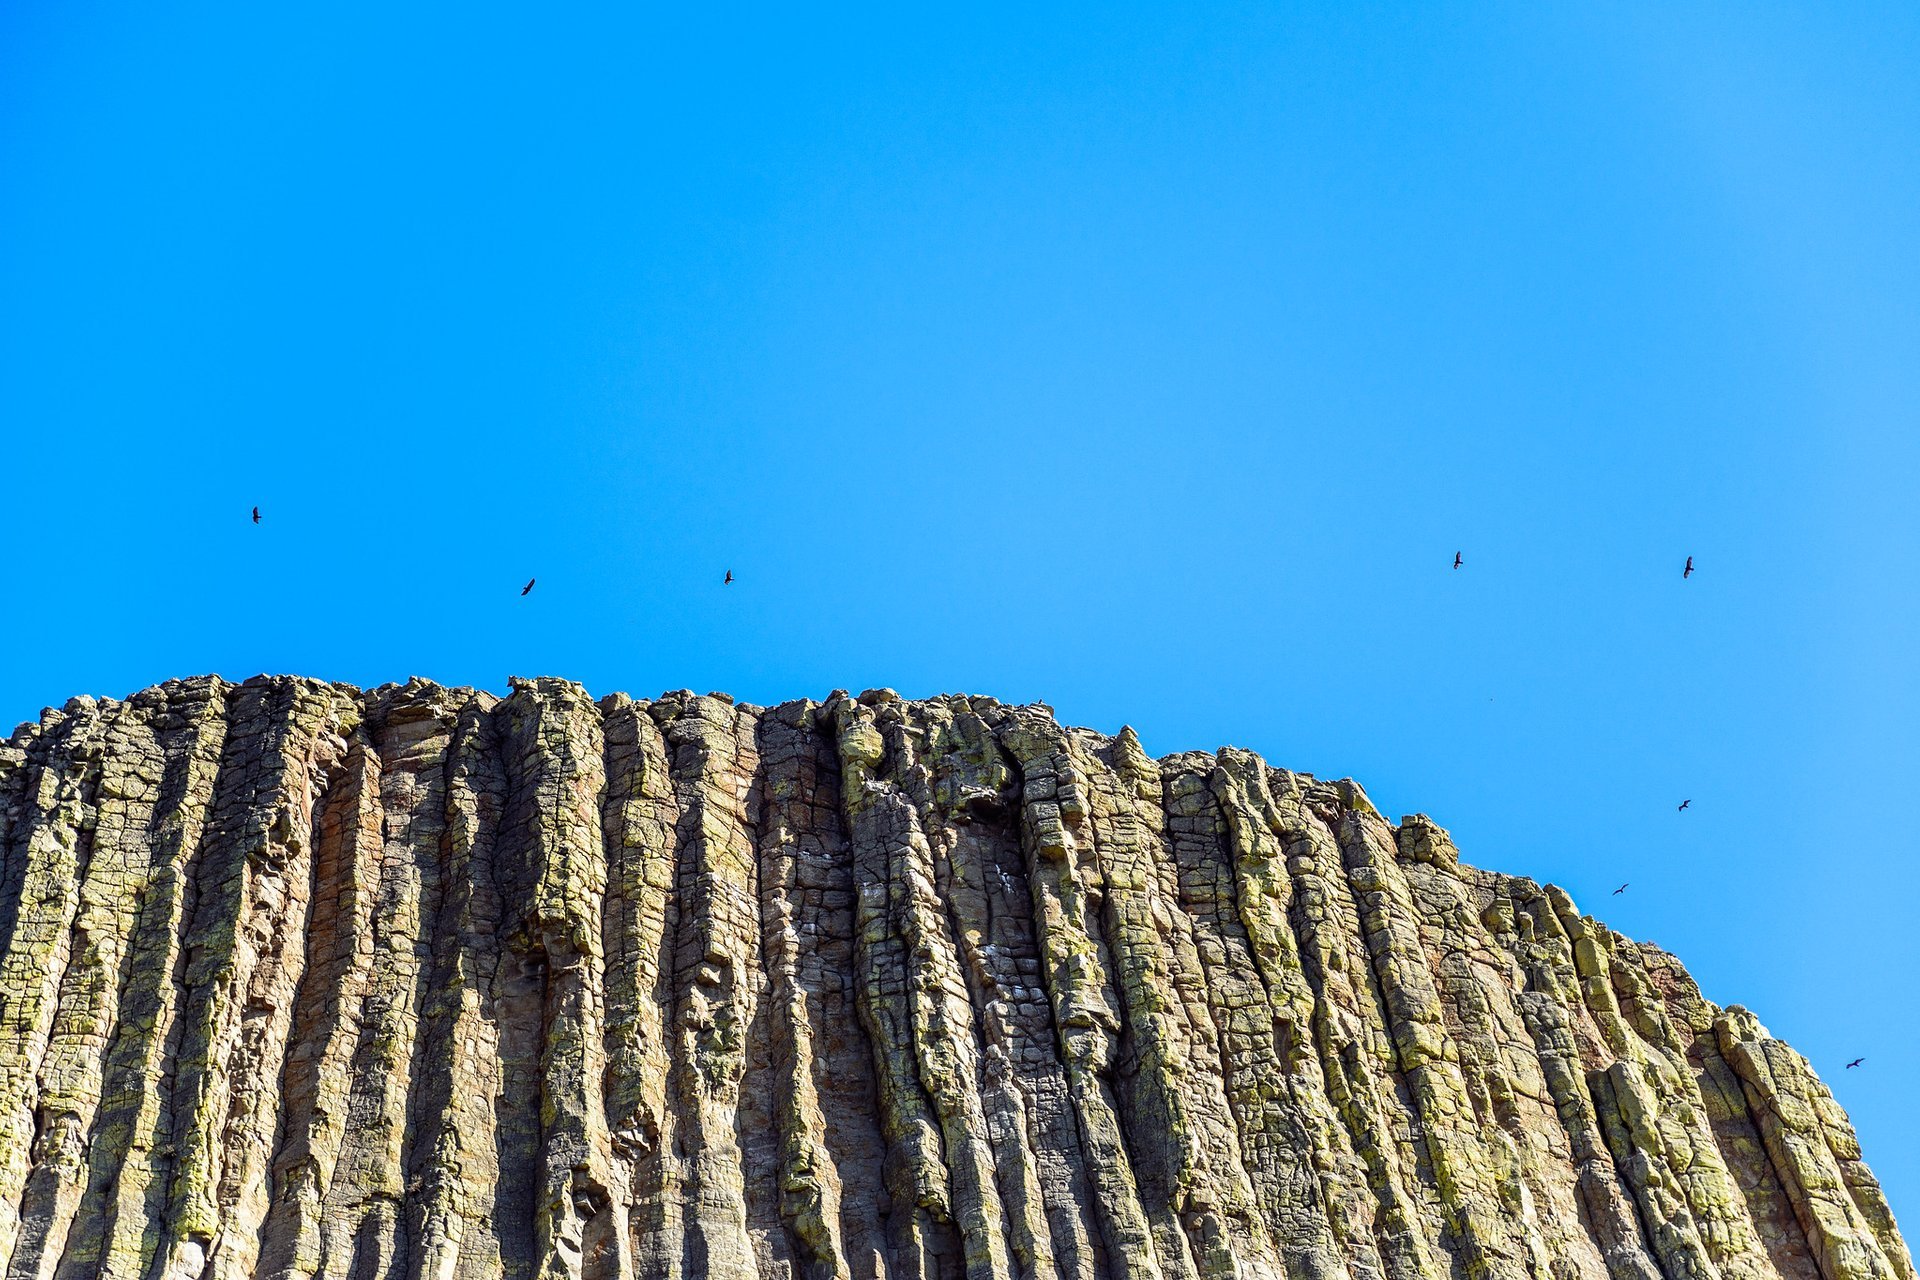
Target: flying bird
x,y
256,515
1456,559
1856,1062
1688,571
528,587
1622,889
1683,806
729,578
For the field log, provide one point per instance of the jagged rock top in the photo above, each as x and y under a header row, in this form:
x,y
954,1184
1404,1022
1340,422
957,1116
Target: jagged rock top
x,y
301,980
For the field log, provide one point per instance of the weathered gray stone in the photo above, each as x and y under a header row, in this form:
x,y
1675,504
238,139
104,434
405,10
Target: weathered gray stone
x,y
298,981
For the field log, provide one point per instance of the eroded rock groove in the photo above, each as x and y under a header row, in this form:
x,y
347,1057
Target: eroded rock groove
x,y
419,983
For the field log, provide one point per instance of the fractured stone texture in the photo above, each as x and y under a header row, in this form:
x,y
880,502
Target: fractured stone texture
x,y
300,980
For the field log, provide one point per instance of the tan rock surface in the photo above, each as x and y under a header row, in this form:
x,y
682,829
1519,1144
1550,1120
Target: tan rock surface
x,y
297,980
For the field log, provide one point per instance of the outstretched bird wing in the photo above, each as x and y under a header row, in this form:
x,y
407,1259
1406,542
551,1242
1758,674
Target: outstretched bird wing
x,y
528,587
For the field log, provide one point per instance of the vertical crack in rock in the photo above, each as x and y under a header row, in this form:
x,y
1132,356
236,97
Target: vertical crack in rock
x,y
421,984
129,1150
1314,1141
1649,1104
946,1052
245,950
453,1179
1171,1052
1486,1212
639,820
1223,860
965,789
50,841
831,1175
319,1078
1838,1203
69,1078
1072,895
716,975
339,1176
555,758
1356,1056
923,1237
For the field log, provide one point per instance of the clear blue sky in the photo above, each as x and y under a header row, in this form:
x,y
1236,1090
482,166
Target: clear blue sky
x,y
1153,364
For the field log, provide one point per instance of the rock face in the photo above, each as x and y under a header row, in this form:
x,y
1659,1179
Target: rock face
x,y
297,980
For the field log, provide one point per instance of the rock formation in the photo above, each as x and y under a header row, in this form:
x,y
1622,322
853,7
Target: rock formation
x,y
297,980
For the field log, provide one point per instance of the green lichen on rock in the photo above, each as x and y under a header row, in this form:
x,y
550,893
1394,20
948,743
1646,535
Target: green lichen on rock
x,y
300,980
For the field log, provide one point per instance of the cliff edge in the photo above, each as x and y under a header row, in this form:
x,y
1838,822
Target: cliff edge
x,y
300,980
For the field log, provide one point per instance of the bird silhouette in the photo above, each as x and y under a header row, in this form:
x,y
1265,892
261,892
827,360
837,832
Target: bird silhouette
x,y
528,587
1622,889
1456,559
1683,806
1688,571
1856,1062
729,578
256,515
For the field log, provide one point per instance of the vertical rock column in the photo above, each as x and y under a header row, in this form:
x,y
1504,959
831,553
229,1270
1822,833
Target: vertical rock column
x,y
1845,1217
1256,1030
793,876
299,1233
945,1050
71,1072
1064,876
1257,836
245,954
965,791
49,844
638,925
553,748
1499,1062
1175,1097
1663,987
410,730
1485,1216
716,971
1652,1112
833,1171
1357,1058
1544,1005
454,1209
922,1228
130,1149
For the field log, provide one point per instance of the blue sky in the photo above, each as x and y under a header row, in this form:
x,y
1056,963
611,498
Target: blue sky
x,y
1152,364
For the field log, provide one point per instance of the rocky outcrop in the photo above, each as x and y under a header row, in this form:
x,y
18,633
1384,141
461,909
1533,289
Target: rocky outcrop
x,y
297,980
